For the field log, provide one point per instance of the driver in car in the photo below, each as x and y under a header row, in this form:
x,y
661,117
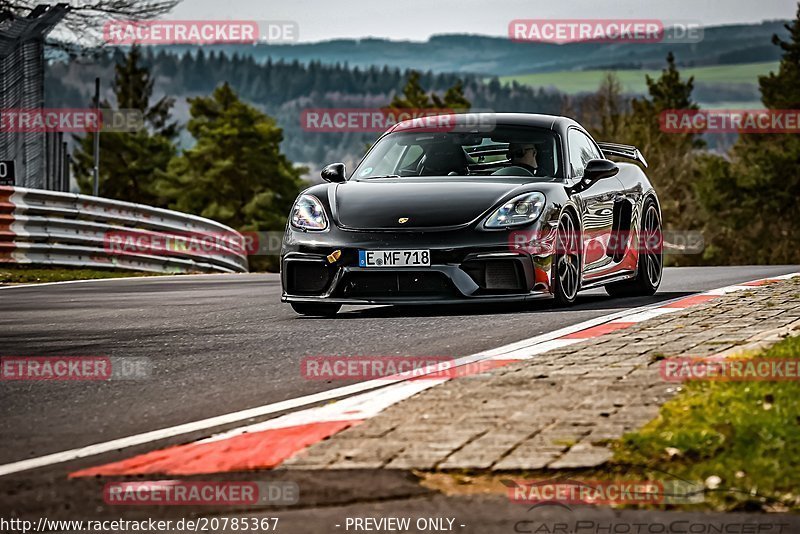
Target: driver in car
x,y
523,155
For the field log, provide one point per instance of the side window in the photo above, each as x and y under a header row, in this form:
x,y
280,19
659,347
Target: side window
x,y
581,150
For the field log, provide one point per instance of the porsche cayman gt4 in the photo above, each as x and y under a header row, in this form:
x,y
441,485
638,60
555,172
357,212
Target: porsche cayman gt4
x,y
476,208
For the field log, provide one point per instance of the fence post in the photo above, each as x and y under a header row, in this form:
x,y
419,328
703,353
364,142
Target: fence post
x,y
96,169
66,170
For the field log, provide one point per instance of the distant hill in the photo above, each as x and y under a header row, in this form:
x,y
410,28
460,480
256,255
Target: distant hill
x,y
284,90
460,53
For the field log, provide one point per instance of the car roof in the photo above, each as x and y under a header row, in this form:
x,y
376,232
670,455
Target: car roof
x,y
551,122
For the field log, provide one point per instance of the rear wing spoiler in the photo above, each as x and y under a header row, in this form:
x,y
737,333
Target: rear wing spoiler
x,y
622,151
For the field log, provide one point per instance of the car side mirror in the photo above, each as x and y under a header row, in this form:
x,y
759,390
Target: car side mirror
x,y
597,169
334,173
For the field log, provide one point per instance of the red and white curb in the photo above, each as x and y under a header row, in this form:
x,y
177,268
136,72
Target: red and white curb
x,y
266,445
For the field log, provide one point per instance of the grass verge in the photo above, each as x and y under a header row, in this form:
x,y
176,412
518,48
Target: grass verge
x,y
741,438
21,274
633,81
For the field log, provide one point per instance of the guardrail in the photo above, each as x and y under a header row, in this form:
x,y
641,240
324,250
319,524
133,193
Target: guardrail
x,y
52,228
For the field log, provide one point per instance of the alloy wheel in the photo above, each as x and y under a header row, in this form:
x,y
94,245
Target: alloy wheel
x,y
653,258
568,266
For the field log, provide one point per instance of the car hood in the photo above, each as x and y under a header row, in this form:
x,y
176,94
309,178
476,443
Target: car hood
x,y
426,203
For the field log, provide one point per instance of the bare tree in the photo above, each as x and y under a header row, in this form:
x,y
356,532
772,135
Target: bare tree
x,y
85,20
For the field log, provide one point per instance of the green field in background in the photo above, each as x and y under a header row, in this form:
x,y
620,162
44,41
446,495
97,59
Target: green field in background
x,y
633,81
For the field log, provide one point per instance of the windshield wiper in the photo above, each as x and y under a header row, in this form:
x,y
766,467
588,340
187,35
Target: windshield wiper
x,y
384,176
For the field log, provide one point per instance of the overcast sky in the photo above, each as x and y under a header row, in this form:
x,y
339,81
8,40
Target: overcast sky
x,y
418,19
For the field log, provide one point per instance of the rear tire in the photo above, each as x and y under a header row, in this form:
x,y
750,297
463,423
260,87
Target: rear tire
x,y
651,258
312,309
566,261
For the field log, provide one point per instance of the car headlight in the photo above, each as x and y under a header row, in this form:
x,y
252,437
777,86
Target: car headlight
x,y
520,210
308,214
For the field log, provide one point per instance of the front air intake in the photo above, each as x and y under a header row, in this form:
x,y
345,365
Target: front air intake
x,y
496,276
423,284
307,277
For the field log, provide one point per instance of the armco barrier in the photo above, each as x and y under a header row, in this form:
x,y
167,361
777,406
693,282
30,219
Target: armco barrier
x,y
51,228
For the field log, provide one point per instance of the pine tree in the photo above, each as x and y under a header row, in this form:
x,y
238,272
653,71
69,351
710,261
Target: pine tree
x,y
129,161
133,89
415,97
235,173
781,90
673,168
454,98
669,91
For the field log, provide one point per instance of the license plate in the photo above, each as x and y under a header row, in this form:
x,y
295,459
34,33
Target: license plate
x,y
394,258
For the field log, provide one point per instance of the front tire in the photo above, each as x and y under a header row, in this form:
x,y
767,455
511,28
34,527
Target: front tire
x,y
651,258
313,309
566,261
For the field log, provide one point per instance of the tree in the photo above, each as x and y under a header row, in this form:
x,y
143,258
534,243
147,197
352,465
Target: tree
x,y
235,173
668,91
781,90
672,156
751,200
129,161
604,113
133,88
415,97
453,98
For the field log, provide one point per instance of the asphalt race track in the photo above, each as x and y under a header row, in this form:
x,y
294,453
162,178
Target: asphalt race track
x,y
223,343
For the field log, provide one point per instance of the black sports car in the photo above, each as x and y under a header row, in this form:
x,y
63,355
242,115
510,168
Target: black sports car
x,y
527,208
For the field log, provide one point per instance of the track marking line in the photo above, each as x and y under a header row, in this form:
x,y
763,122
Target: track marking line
x,y
541,348
645,315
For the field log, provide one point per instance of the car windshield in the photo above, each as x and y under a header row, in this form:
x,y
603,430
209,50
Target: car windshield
x,y
505,151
